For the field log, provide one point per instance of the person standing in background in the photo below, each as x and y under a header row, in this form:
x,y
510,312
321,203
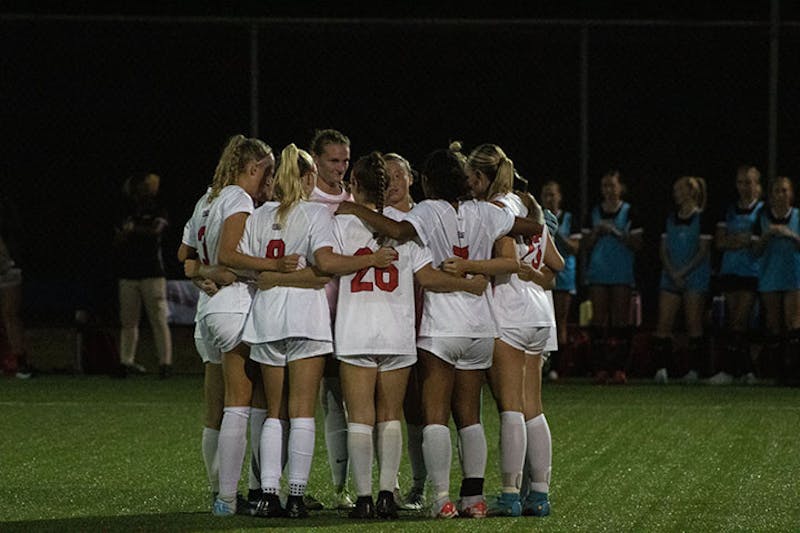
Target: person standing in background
x,y
15,362
567,240
140,270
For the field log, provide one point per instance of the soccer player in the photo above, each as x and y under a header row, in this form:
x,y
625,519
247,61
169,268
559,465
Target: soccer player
x,y
376,340
289,329
685,255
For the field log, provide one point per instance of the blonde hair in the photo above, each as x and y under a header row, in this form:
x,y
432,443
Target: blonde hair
x,y
234,159
455,148
698,188
295,163
495,165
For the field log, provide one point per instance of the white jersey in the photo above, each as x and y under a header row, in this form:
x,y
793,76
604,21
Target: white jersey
x,y
375,311
521,303
469,233
394,213
331,201
283,312
205,226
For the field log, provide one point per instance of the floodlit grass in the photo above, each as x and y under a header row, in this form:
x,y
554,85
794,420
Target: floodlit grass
x,y
96,454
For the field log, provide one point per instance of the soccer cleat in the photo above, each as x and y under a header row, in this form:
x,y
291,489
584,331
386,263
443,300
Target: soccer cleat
x,y
223,508
269,506
601,377
295,507
536,504
507,504
552,375
414,500
720,378
386,506
749,379
661,376
245,506
448,510
164,371
134,368
312,504
342,501
619,378
478,509
690,377
364,508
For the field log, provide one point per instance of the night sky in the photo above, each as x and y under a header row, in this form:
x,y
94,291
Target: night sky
x,y
86,102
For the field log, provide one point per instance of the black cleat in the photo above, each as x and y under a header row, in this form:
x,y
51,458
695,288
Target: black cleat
x,y
269,506
364,508
295,507
164,371
386,506
244,507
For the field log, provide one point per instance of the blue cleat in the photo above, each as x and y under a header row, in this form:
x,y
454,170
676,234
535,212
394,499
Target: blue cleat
x,y
536,504
223,508
507,504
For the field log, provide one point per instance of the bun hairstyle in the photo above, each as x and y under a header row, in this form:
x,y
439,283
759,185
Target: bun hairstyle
x,y
295,163
370,174
234,159
443,176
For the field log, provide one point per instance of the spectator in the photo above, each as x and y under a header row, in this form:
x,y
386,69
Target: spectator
x,y
140,269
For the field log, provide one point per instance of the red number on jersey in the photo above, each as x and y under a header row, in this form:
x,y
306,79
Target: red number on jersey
x,y
201,237
461,251
535,252
276,249
385,278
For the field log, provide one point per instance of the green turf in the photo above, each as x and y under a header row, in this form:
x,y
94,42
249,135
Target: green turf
x,y
96,454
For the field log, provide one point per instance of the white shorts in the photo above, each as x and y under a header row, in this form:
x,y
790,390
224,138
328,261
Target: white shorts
x,y
222,330
531,340
383,362
281,352
464,353
208,352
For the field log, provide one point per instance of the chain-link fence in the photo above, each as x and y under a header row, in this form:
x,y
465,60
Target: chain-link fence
x,y
87,101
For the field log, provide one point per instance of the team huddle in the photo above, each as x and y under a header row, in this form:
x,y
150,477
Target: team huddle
x,y
383,309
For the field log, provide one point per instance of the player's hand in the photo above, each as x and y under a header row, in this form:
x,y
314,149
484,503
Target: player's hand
x,y
208,287
455,266
384,257
288,263
191,268
478,284
525,272
266,280
346,208
552,222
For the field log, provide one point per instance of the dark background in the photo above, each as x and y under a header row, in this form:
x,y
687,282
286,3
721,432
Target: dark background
x,y
90,96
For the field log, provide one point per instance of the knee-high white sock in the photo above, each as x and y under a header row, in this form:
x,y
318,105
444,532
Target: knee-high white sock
x,y
418,472
438,452
390,451
209,445
231,449
472,448
335,431
271,462
540,453
359,448
513,445
257,417
301,452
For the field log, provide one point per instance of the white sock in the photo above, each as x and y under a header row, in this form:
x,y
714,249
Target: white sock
x,y
438,452
513,445
415,457
209,445
335,430
257,417
390,451
231,449
472,448
359,448
271,462
540,453
301,452
285,449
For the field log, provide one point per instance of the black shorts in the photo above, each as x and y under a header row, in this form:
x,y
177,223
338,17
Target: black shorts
x,y
734,283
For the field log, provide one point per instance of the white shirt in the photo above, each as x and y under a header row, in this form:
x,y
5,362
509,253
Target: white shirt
x,y
205,226
470,233
283,312
375,311
331,201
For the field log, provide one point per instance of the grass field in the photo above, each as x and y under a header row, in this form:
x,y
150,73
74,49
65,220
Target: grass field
x,y
96,454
